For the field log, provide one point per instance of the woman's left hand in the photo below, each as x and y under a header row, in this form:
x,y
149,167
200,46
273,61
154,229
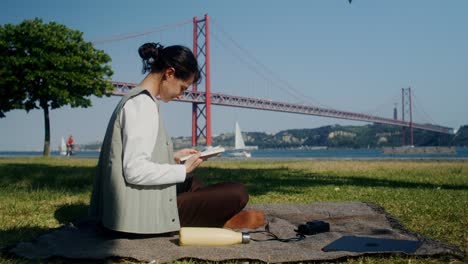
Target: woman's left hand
x,y
182,153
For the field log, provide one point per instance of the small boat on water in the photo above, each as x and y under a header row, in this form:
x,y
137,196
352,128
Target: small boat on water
x,y
241,154
240,150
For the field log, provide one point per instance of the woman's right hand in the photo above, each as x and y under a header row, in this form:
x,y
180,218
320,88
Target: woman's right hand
x,y
192,163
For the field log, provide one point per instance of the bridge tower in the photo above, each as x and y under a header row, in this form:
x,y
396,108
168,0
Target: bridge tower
x,y
408,110
202,111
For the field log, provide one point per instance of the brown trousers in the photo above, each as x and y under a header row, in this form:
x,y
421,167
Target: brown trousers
x,y
209,206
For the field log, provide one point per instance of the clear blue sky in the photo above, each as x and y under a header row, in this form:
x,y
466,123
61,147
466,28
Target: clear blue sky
x,y
353,57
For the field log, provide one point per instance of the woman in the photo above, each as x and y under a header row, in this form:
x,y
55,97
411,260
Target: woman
x,y
141,186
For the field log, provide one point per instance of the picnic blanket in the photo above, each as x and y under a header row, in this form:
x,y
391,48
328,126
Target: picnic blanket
x,y
349,220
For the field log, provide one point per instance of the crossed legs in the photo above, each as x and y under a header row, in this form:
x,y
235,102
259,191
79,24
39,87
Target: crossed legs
x,y
209,206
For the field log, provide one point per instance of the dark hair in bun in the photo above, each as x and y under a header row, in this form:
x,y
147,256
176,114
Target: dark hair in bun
x,y
156,58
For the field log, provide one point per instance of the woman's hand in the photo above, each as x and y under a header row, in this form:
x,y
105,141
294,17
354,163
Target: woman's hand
x,y
182,153
192,163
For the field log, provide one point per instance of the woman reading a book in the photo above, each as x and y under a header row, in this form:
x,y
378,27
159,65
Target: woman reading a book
x,y
141,186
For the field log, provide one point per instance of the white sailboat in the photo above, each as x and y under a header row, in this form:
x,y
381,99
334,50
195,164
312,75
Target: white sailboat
x,y
63,148
239,144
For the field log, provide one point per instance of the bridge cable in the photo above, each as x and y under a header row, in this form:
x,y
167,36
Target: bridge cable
x,y
254,69
270,72
125,36
383,105
419,107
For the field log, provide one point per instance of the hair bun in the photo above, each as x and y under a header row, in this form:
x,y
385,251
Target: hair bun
x,y
150,50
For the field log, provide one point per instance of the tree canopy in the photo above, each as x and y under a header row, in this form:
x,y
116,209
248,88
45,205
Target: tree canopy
x,y
47,66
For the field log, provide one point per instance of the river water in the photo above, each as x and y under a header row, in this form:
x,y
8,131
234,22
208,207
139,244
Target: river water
x,y
336,153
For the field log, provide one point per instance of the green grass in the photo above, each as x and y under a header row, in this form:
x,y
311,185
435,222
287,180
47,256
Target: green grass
x,y
428,197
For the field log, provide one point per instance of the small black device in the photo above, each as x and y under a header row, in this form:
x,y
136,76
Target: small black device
x,y
313,227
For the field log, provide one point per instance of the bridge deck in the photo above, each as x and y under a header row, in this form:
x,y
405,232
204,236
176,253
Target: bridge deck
x,y
262,104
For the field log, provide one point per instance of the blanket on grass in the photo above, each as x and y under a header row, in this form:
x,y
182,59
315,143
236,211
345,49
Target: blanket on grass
x,y
349,220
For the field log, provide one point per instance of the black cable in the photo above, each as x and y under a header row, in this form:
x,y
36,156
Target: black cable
x,y
298,237
303,230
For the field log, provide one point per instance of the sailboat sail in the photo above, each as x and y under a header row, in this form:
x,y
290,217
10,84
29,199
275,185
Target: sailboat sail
x,y
239,141
63,147
239,145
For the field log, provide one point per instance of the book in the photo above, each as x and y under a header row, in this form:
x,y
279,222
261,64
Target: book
x,y
206,153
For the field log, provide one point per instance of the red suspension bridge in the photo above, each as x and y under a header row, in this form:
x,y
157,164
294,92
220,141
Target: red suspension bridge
x,y
202,100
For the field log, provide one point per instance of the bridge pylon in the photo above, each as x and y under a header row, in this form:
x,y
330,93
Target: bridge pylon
x,y
407,109
202,111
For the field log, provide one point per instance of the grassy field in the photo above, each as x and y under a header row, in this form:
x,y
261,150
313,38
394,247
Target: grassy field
x,y
429,197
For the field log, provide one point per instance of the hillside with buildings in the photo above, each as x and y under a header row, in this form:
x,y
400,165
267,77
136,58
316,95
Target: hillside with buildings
x,y
336,136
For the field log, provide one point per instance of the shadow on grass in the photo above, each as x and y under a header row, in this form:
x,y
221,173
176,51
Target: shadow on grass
x,y
259,181
74,179
70,212
283,180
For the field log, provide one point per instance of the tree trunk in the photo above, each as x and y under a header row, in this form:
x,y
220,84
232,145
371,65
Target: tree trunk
x,y
46,152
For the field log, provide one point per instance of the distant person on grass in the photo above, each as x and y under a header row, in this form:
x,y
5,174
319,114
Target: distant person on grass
x,y
141,186
70,145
